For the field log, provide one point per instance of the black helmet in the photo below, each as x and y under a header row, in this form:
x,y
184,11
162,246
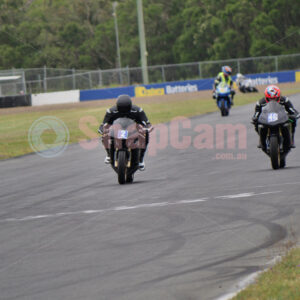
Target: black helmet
x,y
124,104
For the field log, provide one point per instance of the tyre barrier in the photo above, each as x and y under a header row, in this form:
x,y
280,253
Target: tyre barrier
x,y
14,101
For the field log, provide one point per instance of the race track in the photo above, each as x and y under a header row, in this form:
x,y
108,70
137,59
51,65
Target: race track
x,y
191,226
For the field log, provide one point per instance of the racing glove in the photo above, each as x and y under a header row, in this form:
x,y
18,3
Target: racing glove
x,y
100,130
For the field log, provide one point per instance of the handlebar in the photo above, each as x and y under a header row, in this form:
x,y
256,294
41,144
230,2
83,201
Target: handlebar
x,y
105,129
294,116
150,129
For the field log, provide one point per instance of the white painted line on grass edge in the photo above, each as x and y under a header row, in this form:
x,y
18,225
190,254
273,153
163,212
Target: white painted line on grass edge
x,y
244,283
240,286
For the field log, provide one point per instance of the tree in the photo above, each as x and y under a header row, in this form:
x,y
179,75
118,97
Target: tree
x,y
81,34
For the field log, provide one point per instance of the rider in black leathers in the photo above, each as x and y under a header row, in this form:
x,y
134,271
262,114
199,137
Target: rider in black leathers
x,y
273,93
125,108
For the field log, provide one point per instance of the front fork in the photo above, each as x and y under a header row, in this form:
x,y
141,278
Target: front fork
x,y
227,102
128,156
280,132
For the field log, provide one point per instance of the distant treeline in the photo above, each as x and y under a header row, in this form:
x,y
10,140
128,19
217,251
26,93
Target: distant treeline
x,y
81,34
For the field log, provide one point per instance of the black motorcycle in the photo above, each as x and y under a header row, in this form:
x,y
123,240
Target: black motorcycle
x,y
274,128
124,139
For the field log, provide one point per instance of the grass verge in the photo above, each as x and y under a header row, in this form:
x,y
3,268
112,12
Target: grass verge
x,y
281,282
83,121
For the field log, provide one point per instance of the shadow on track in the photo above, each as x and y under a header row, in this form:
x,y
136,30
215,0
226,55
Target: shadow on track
x,y
271,170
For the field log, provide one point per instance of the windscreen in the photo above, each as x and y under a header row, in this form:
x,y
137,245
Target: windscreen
x,y
273,114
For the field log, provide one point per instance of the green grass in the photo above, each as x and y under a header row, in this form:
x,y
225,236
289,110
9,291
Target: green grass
x,y
14,128
83,122
281,282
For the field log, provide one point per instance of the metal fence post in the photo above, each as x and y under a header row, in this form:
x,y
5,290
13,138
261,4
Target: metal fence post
x,y
163,73
128,75
24,83
276,63
100,78
239,66
200,69
121,76
45,79
90,80
74,79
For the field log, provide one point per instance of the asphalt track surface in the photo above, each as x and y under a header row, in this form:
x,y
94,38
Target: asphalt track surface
x,y
191,226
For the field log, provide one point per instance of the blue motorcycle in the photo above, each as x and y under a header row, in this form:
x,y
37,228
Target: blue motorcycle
x,y
223,98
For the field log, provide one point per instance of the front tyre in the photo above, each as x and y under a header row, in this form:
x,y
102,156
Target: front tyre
x,y
274,152
223,109
122,167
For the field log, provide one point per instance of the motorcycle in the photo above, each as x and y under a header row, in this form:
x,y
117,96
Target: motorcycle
x,y
223,98
124,139
274,127
246,86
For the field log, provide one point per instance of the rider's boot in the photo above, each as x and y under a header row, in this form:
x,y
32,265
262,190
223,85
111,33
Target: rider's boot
x,y
141,162
107,158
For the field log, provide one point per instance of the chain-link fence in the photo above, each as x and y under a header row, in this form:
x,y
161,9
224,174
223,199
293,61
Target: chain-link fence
x,y
50,79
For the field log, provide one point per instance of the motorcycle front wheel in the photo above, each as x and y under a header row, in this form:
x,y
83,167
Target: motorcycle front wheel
x,y
122,164
223,109
274,152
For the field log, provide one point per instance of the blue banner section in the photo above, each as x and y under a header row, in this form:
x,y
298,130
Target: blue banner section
x,y
87,95
181,86
271,78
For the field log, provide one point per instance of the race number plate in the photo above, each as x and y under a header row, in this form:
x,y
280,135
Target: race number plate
x,y
122,134
272,117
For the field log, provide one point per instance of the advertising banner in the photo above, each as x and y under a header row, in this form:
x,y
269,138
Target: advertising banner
x,y
186,86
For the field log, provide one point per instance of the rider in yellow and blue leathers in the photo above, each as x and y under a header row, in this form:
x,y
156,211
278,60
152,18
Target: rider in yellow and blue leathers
x,y
224,76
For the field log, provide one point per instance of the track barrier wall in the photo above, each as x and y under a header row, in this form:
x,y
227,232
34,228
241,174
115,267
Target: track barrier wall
x,y
55,98
183,86
14,101
101,94
167,88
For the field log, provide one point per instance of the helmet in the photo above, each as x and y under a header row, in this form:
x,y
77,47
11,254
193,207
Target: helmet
x,y
272,92
226,70
124,104
239,76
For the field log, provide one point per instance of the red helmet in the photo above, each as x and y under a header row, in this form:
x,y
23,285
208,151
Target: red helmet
x,y
272,92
